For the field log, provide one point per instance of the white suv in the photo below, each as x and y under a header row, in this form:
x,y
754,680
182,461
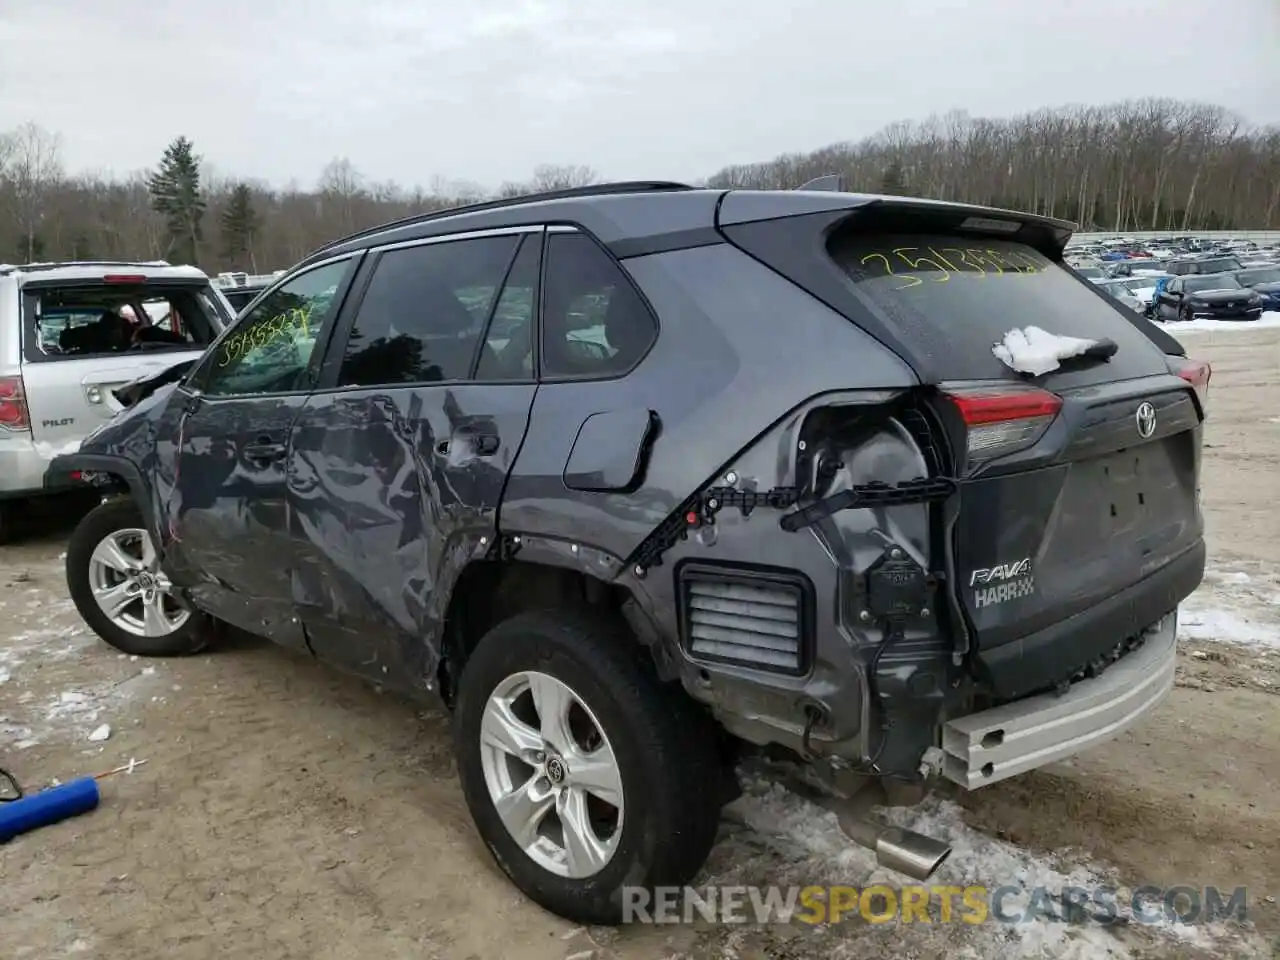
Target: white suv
x,y
70,333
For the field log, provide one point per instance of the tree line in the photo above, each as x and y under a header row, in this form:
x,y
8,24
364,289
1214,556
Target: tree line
x,y
1153,164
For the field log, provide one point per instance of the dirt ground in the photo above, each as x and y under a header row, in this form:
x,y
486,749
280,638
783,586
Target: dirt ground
x,y
287,811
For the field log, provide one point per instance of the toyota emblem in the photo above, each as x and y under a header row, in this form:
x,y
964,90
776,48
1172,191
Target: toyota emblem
x,y
1145,417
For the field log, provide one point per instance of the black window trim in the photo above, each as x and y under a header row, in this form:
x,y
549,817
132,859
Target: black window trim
x,y
314,363
331,366
563,228
478,354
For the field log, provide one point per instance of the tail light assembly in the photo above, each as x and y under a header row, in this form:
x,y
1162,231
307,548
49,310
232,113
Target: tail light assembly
x,y
1001,419
1196,373
14,415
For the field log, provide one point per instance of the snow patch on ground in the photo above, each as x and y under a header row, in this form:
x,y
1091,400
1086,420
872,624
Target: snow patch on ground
x,y
33,661
814,850
1269,320
1233,606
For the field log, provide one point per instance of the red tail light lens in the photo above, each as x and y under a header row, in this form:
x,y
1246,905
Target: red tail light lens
x,y
13,405
1196,373
1003,418
124,278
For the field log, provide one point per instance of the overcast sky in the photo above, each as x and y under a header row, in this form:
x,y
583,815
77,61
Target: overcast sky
x,y
486,89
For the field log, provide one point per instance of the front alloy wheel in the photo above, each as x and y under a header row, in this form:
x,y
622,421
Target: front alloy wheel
x,y
130,588
116,581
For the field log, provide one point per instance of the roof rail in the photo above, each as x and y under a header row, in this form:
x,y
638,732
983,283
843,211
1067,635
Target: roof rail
x,y
568,193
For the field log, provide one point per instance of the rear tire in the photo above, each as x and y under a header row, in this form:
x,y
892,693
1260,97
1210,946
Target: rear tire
x,y
1185,316
103,567
663,824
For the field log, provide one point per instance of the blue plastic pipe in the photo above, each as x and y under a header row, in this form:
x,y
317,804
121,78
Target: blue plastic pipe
x,y
48,806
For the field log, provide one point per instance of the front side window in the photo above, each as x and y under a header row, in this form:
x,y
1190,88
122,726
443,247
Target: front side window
x,y
594,323
422,316
270,348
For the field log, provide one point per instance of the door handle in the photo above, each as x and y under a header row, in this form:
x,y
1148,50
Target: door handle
x,y
481,444
266,449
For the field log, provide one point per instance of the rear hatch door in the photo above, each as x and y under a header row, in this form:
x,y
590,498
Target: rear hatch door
x,y
1076,484
79,346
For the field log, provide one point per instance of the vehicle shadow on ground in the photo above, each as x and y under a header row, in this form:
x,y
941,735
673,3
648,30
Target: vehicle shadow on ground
x,y
47,520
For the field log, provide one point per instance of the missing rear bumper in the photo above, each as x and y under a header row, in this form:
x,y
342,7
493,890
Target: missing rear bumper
x,y
992,745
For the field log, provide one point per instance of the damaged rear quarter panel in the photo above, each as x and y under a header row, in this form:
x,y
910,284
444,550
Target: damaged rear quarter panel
x,y
738,348
741,350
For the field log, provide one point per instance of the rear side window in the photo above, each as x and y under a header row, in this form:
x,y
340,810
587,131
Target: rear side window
x,y
594,324
957,296
79,320
422,316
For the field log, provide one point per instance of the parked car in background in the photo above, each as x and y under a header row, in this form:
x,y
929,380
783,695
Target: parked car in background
x,y
1120,291
1218,296
1096,274
1265,281
1198,265
72,332
241,288
625,542
1135,267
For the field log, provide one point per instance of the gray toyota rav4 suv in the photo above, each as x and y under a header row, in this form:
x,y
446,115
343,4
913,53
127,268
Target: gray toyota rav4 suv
x,y
639,476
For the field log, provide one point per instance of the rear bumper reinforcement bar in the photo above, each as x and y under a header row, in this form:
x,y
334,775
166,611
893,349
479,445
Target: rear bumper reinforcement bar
x,y
994,744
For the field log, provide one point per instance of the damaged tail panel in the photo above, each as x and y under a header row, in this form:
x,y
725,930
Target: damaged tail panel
x,y
809,583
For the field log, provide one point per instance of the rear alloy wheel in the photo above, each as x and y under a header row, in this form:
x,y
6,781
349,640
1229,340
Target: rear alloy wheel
x,y
585,776
554,779
115,580
1186,316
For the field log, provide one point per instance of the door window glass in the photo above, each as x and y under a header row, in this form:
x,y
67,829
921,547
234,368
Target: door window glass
x,y
270,349
421,318
507,353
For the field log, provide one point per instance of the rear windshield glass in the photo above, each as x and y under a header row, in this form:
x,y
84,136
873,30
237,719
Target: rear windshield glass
x,y
956,296
78,320
1212,282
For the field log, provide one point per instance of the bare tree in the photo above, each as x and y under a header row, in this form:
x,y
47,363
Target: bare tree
x,y
1148,164
556,177
33,170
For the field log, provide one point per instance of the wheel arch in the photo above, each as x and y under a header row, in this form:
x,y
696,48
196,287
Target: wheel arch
x,y
112,474
490,591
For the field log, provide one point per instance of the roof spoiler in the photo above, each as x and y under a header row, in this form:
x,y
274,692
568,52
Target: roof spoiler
x,y
832,182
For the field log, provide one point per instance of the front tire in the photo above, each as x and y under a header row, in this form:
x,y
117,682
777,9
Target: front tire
x,y
115,581
585,777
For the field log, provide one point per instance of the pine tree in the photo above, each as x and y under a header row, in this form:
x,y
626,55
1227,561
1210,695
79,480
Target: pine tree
x,y
892,184
175,194
239,227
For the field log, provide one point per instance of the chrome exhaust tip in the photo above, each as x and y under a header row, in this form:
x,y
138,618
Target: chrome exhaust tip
x,y
904,851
